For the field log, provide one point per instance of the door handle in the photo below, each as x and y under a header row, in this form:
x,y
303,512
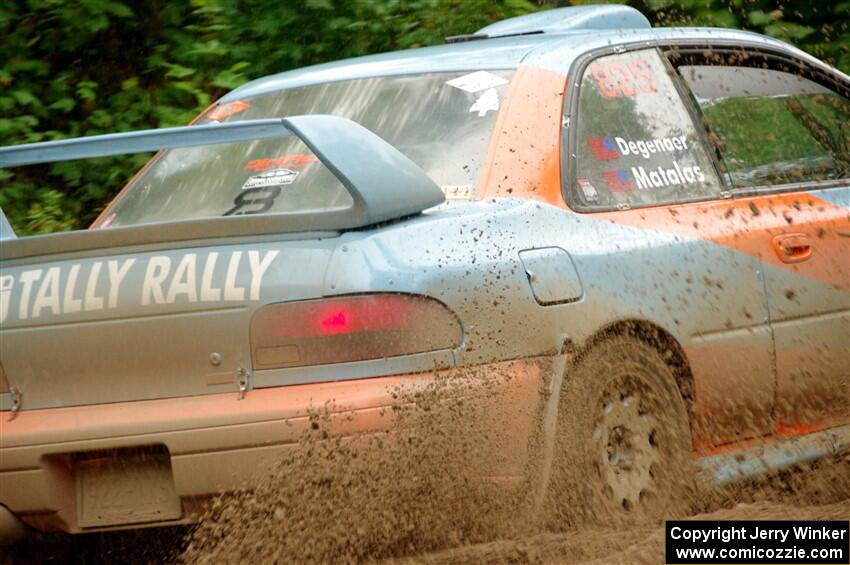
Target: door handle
x,y
792,247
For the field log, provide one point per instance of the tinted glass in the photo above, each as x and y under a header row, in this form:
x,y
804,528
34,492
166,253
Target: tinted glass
x,y
772,127
441,121
636,142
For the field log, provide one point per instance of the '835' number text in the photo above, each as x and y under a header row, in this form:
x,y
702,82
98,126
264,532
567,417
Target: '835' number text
x,y
623,79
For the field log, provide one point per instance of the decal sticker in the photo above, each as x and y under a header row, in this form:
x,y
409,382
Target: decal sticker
x,y
618,181
103,285
257,200
297,160
107,221
477,81
226,110
589,190
645,148
275,177
487,102
662,178
603,148
623,79
458,191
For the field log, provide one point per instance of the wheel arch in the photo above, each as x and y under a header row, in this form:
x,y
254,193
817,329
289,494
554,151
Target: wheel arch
x,y
659,339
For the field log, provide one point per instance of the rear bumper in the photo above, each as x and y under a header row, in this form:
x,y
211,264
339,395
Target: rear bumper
x,y
216,442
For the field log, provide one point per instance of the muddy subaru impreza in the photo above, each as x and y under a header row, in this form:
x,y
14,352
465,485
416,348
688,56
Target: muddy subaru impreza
x,y
646,228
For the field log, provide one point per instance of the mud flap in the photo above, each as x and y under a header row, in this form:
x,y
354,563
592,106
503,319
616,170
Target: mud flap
x,y
548,427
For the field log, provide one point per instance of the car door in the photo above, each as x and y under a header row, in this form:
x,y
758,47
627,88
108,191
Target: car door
x,y
781,130
639,159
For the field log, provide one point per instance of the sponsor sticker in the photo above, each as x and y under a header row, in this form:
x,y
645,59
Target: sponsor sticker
x,y
646,147
295,161
477,81
275,177
618,181
590,193
626,78
663,178
226,110
90,286
457,191
107,221
603,148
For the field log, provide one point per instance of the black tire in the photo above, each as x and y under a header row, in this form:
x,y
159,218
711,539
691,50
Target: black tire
x,y
623,443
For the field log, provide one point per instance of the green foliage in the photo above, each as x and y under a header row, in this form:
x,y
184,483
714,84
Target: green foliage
x,y
96,66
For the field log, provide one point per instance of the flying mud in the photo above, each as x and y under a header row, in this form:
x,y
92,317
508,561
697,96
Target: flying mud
x,y
444,486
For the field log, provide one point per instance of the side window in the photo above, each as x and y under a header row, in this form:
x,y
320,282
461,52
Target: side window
x,y
771,127
636,144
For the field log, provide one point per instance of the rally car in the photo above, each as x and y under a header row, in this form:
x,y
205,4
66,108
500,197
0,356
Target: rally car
x,y
647,228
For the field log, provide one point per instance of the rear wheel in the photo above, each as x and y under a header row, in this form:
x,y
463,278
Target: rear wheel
x,y
622,450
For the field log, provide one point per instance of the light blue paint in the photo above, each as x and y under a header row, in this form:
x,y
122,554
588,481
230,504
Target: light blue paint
x,y
474,55
609,16
837,196
747,463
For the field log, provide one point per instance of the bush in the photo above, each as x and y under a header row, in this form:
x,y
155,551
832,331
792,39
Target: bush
x,y
96,66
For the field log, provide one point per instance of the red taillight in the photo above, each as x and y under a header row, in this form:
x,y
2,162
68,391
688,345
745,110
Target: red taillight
x,y
351,328
335,323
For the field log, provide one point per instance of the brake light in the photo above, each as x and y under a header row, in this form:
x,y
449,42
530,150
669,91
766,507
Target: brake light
x,y
350,328
336,322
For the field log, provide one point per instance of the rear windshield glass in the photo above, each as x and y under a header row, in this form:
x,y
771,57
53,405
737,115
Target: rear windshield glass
x,y
441,121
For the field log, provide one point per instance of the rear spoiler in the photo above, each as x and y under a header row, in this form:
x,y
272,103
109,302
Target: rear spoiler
x,y
384,184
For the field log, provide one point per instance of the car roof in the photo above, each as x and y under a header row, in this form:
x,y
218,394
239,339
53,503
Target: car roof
x,y
532,39
491,54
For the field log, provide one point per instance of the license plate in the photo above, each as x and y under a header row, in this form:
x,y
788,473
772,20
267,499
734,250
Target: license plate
x,y
125,487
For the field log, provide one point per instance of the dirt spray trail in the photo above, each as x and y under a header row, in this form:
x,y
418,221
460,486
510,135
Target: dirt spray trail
x,y
416,496
413,490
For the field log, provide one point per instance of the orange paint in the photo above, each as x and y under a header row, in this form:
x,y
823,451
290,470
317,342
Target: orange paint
x,y
708,448
796,429
748,225
523,159
33,428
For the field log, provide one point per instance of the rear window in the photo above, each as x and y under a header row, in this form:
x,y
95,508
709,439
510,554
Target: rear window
x,y
441,121
636,143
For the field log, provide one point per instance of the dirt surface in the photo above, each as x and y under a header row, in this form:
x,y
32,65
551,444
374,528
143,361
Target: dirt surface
x,y
601,546
819,493
416,496
581,546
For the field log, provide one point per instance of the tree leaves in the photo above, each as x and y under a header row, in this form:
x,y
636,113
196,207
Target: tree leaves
x,y
69,69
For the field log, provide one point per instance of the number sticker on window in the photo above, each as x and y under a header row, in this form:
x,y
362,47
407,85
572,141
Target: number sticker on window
x,y
626,78
254,200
